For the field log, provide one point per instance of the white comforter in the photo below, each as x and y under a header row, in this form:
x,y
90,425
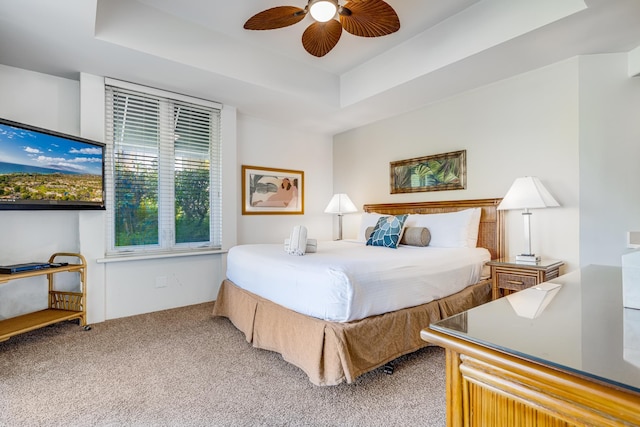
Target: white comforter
x,y
346,280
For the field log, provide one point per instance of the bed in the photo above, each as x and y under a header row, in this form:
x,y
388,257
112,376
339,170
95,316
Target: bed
x,y
340,346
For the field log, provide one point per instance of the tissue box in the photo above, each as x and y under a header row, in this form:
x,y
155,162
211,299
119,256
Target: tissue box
x,y
631,280
312,245
631,336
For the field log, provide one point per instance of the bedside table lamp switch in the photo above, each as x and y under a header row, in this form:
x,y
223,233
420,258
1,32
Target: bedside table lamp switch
x,y
527,193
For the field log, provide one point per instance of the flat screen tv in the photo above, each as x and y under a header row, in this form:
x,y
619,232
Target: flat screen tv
x,y
43,169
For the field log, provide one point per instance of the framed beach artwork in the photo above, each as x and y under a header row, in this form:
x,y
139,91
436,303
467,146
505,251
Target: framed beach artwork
x,y
272,191
447,171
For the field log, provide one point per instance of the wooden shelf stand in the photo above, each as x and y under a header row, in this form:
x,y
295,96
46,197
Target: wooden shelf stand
x,y
63,305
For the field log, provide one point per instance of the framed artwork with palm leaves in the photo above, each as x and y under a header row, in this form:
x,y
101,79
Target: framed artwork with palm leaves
x,y
446,171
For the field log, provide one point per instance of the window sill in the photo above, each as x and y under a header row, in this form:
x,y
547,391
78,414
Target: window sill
x,y
159,255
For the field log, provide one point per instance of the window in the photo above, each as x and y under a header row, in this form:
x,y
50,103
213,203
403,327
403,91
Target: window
x,y
164,171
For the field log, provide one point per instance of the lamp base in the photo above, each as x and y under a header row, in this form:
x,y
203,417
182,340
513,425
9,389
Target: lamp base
x,y
527,258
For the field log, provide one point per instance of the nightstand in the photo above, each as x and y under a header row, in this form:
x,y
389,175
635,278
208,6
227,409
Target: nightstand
x,y
509,276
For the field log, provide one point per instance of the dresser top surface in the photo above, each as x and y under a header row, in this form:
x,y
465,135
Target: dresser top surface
x,y
576,322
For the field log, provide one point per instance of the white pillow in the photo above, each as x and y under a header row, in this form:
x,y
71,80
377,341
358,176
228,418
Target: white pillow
x,y
450,230
367,220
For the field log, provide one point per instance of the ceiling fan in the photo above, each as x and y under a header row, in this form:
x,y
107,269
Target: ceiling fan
x,y
364,18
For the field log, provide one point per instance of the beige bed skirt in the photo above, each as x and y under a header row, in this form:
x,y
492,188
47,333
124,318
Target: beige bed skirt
x,y
330,352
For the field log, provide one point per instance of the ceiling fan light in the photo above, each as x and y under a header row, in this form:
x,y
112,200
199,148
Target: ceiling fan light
x,y
323,10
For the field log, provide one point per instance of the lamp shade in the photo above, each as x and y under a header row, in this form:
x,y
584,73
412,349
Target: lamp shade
x,y
527,193
340,204
323,10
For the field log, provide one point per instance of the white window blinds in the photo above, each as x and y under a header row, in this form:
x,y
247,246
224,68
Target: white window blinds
x,y
163,172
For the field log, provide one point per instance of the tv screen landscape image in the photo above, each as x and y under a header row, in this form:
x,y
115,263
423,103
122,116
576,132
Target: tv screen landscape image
x,y
43,169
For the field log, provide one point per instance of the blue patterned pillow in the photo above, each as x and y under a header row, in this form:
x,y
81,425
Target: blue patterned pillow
x,y
387,231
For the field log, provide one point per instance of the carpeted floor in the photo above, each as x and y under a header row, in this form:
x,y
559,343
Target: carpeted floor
x,y
183,367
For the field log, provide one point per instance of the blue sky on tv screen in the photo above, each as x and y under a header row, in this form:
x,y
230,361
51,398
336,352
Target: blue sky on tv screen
x,y
29,148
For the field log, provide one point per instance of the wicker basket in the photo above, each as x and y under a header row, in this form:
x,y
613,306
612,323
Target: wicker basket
x,y
72,301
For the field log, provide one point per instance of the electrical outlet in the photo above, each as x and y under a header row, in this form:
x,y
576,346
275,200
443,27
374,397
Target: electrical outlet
x,y
161,282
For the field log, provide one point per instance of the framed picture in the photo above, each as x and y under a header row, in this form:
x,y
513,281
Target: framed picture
x,y
272,191
447,171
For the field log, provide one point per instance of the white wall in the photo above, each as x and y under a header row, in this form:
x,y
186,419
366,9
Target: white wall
x,y
25,236
268,145
124,288
609,157
525,125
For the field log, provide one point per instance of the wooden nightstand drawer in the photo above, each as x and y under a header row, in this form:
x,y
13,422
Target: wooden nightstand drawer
x,y
509,276
516,282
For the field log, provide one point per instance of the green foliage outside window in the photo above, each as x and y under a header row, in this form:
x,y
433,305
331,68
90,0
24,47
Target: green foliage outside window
x,y
192,205
136,207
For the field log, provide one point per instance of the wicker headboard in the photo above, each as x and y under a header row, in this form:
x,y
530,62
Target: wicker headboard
x,y
490,233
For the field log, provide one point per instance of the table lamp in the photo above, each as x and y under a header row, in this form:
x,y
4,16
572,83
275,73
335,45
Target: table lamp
x,y
527,193
340,204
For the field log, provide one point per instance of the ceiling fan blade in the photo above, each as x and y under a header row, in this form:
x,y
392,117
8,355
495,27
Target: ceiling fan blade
x,y
371,18
276,17
320,37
